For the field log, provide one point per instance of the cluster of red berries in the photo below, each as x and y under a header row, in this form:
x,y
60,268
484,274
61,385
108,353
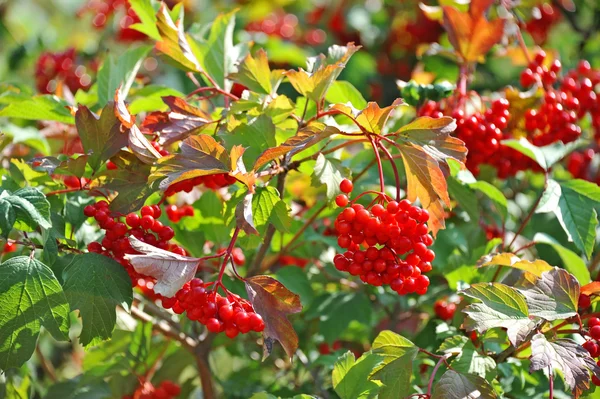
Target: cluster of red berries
x,y
545,16
562,107
492,232
52,68
231,314
144,226
285,26
175,213
482,133
213,182
386,233
289,260
444,309
166,390
592,345
74,181
326,349
580,165
103,10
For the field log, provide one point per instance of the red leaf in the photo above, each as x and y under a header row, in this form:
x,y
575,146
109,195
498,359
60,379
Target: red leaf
x,y
274,302
592,288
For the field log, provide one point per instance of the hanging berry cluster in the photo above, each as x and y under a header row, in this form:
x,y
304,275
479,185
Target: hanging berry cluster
x,y
213,182
230,314
144,226
52,68
175,213
581,165
166,390
377,237
104,10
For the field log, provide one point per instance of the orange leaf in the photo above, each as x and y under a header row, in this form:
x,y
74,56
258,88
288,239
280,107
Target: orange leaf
x,y
426,146
274,302
471,34
592,288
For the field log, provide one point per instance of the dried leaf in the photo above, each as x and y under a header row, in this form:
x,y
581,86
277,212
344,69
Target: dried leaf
x,y
573,361
471,34
170,270
274,302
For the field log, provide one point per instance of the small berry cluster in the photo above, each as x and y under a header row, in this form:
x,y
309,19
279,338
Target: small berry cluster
x,y
444,309
326,349
580,165
289,260
146,227
52,68
213,182
103,10
74,181
592,345
386,233
175,213
285,26
166,390
482,133
562,107
545,16
231,314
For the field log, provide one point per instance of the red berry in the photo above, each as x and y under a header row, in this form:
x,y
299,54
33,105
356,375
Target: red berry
x,y
213,325
89,211
147,210
341,200
593,321
147,221
346,186
584,301
595,332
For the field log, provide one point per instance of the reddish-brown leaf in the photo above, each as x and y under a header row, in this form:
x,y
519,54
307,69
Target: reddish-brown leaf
x,y
373,118
273,301
306,137
426,146
592,288
141,147
471,34
182,121
121,110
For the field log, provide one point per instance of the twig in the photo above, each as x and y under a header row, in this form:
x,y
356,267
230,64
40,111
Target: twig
x,y
167,330
433,373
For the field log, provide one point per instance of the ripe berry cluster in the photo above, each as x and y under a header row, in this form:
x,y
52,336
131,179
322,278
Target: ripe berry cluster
x,y
285,26
231,314
74,181
444,309
144,226
166,390
562,107
213,182
103,10
545,16
592,345
175,213
581,165
385,233
52,68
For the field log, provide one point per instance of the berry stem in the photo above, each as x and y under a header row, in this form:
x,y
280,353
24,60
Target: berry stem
x,y
378,193
64,190
551,378
379,165
226,258
434,372
394,167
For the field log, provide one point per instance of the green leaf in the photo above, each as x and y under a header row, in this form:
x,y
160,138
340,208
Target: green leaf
x,y
468,360
577,215
333,320
567,356
571,261
254,73
395,370
341,92
147,13
24,106
218,54
175,43
27,207
78,388
526,148
550,197
295,279
96,284
101,136
553,296
30,296
266,209
502,306
495,195
454,385
350,376
130,181
465,197
329,172
119,72
256,135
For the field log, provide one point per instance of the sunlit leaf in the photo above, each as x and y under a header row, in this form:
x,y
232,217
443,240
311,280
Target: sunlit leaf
x,y
174,42
536,267
553,296
255,73
455,385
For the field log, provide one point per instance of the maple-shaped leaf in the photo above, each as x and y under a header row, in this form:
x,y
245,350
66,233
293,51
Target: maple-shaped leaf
x,y
273,301
254,73
321,71
373,118
129,180
501,306
180,122
170,270
472,35
101,136
426,146
175,43
305,138
200,155
552,296
571,359
455,385
536,267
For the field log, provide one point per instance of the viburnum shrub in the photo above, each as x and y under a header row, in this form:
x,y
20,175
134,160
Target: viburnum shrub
x,y
209,206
